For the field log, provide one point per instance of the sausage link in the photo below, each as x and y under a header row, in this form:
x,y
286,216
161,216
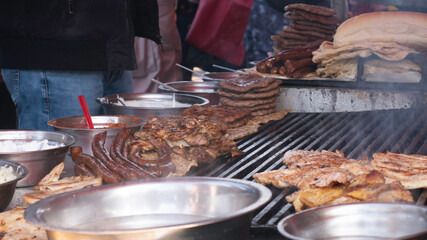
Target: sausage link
x,y
116,149
302,72
102,154
305,62
282,70
82,170
95,166
274,70
261,67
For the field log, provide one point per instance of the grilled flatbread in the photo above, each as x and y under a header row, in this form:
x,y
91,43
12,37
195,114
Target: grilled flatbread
x,y
13,226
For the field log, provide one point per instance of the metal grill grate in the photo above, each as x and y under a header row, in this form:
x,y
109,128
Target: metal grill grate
x,y
357,134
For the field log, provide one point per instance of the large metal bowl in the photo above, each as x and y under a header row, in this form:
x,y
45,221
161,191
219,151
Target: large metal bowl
x,y
202,89
77,127
7,189
112,105
41,162
168,208
357,221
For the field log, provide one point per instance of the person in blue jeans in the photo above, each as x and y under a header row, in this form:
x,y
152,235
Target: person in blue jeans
x,y
53,51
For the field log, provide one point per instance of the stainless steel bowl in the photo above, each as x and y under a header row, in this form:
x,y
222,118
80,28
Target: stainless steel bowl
x,y
77,127
167,208
39,163
201,89
112,105
357,221
7,189
218,76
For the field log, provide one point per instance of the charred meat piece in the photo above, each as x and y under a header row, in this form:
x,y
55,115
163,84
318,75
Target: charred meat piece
x,y
185,131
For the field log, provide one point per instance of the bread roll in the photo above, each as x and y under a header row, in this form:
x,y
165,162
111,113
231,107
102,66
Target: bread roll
x,y
406,28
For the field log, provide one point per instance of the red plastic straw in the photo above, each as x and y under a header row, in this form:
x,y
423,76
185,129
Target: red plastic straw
x,y
86,112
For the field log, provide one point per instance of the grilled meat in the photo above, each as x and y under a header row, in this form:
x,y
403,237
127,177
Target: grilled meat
x,y
324,177
230,115
246,83
410,170
185,131
370,187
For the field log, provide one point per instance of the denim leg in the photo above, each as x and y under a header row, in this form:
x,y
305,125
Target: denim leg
x,y
117,82
31,107
64,88
40,96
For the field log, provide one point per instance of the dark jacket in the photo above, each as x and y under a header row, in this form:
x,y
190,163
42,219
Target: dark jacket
x,y
74,34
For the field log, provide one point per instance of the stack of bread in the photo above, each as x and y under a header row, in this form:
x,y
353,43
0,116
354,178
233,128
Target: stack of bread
x,y
386,41
310,26
251,92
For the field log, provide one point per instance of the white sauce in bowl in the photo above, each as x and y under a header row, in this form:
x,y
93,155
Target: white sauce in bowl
x,y
9,146
153,103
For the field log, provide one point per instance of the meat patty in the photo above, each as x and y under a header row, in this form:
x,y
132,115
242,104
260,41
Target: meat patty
x,y
225,113
247,103
249,95
246,83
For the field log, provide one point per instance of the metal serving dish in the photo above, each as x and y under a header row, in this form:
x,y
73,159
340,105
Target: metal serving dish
x,y
41,162
357,221
167,208
7,189
77,127
202,89
112,106
218,76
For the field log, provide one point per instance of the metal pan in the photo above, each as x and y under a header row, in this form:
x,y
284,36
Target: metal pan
x,y
357,221
169,208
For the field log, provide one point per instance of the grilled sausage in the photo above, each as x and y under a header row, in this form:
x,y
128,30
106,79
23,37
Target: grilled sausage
x,y
116,149
302,72
102,154
305,62
82,170
95,165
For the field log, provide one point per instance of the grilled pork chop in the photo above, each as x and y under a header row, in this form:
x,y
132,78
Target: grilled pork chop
x,y
410,170
370,187
306,168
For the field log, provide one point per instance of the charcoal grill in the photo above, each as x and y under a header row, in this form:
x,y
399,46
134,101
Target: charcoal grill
x,y
357,134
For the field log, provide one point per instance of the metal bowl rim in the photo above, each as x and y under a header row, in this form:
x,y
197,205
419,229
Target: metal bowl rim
x,y
71,137
281,223
139,119
100,100
17,166
265,194
209,85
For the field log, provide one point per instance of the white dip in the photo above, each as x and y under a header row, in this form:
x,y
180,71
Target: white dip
x,y
6,174
8,146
